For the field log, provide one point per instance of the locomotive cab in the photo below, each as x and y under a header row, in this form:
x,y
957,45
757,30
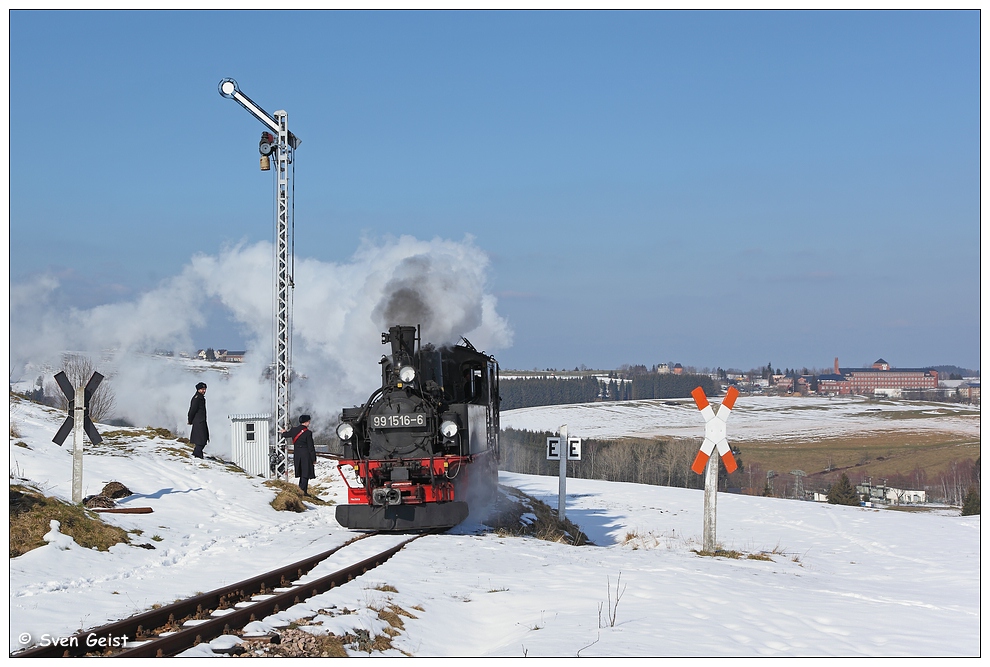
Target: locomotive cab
x,y
414,448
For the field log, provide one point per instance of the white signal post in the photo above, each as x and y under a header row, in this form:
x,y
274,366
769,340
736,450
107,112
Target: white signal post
x,y
79,423
572,452
715,438
78,435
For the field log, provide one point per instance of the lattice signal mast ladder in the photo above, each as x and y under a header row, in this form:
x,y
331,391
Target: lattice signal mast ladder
x,y
715,437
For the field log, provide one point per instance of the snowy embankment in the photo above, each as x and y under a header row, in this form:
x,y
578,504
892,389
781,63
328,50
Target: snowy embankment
x,y
840,581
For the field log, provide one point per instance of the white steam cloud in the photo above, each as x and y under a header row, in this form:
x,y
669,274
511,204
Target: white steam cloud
x,y
339,312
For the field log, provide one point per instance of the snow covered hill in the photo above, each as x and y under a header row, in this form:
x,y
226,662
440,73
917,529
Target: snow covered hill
x,y
826,580
753,419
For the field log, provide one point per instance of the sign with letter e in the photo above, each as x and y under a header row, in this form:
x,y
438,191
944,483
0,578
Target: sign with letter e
x,y
573,452
574,449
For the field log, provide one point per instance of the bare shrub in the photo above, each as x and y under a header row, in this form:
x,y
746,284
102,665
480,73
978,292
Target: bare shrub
x,y
613,606
79,369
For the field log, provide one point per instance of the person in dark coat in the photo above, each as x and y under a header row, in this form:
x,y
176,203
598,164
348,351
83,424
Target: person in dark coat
x,y
303,452
200,434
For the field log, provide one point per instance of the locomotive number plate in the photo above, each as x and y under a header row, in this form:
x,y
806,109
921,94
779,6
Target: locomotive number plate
x,y
398,421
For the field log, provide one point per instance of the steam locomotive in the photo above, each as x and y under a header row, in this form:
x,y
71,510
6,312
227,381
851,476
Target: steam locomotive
x,y
424,447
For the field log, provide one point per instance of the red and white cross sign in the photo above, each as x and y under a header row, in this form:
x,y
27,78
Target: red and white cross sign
x,y
714,430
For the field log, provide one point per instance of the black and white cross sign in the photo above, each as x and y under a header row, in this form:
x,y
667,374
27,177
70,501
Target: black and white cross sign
x,y
70,393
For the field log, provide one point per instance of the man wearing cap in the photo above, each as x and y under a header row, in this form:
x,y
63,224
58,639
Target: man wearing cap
x,y
200,434
303,452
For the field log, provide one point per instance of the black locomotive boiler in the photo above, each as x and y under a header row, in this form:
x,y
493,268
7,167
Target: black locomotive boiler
x,y
424,448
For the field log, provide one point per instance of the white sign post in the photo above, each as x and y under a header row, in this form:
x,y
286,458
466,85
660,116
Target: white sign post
x,y
79,423
572,453
78,435
704,462
562,497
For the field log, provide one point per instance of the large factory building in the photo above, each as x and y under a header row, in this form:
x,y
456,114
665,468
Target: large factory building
x,y
881,378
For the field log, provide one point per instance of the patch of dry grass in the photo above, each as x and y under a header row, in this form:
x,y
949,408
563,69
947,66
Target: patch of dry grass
x,y
287,501
290,497
31,513
759,556
507,519
386,588
719,553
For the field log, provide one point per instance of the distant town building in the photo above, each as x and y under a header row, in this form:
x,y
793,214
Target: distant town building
x,y
663,369
795,385
678,369
890,495
970,391
882,379
833,384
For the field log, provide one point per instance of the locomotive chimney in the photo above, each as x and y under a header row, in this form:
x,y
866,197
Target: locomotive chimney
x,y
403,341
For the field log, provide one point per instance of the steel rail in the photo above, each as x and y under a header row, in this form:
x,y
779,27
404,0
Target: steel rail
x,y
188,637
142,624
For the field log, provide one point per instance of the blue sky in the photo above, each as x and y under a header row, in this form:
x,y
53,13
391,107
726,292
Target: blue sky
x,y
712,188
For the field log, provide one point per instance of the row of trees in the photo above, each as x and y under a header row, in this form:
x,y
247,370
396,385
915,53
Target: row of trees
x,y
653,385
530,392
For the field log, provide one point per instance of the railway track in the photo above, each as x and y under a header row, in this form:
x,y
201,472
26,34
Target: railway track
x,y
176,627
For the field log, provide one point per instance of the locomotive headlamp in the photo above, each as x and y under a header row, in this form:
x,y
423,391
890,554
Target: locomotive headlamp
x,y
407,374
345,431
448,429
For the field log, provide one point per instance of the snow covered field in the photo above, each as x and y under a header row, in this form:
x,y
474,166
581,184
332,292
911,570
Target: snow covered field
x,y
754,418
841,581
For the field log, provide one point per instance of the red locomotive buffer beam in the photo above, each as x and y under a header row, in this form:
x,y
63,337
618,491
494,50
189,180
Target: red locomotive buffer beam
x,y
394,495
417,489
714,430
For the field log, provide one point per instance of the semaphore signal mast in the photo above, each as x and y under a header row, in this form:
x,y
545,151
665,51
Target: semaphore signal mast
x,y
282,143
